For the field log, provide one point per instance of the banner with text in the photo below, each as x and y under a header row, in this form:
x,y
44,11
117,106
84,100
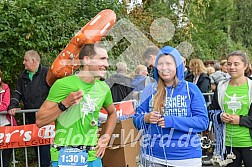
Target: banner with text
x,y
31,135
25,136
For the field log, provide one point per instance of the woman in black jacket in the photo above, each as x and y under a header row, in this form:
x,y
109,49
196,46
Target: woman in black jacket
x,y
199,76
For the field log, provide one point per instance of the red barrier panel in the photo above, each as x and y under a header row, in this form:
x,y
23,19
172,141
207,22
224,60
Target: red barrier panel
x,y
31,135
122,108
25,135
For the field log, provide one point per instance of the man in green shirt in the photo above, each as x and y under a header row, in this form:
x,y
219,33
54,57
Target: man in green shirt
x,y
74,104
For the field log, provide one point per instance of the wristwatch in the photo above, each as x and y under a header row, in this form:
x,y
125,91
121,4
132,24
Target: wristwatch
x,y
62,107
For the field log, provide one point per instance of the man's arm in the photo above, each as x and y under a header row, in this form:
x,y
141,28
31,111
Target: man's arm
x,y
110,126
111,121
49,111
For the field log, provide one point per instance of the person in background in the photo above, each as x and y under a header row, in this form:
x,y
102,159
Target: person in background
x,y
217,76
149,57
210,70
119,83
5,119
199,76
233,97
170,109
209,63
139,80
32,89
224,68
74,103
248,72
186,69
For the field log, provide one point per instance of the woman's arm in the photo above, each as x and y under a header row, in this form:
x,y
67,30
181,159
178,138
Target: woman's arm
x,y
6,99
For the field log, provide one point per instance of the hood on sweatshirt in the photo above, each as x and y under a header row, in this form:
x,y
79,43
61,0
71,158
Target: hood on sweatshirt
x,y
168,50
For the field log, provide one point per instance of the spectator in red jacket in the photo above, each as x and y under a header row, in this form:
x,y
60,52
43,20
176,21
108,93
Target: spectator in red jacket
x,y
5,119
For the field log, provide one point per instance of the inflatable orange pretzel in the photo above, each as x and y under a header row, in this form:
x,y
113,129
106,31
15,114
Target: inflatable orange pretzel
x,y
67,62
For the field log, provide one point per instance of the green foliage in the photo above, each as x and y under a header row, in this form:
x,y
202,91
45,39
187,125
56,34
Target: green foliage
x,y
43,25
215,31
241,30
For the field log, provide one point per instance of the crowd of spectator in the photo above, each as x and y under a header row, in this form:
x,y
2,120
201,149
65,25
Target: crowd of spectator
x,y
32,89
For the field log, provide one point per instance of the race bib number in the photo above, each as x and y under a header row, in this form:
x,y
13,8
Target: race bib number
x,y
70,157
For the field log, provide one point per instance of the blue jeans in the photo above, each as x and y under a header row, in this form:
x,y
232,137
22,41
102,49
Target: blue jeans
x,y
95,163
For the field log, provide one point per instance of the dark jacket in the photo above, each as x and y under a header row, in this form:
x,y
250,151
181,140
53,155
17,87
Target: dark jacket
x,y
31,93
187,72
244,120
120,87
203,83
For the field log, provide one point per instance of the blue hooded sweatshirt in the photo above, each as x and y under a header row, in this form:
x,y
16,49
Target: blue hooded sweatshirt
x,y
185,116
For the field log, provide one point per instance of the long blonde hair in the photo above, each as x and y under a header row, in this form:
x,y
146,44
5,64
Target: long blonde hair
x,y
198,66
159,98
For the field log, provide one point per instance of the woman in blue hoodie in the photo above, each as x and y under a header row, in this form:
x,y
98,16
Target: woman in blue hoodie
x,y
171,113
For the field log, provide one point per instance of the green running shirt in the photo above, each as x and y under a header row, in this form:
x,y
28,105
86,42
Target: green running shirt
x,y
236,100
73,126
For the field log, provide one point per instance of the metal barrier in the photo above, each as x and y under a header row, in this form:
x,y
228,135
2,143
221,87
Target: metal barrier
x,y
210,96
23,112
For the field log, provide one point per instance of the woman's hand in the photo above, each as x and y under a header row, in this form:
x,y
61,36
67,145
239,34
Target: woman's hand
x,y
226,117
13,111
161,122
152,117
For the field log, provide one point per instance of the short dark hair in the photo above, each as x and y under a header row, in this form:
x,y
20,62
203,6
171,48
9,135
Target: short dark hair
x,y
151,50
207,62
89,50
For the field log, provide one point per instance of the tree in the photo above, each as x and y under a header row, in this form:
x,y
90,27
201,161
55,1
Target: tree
x,y
43,25
241,30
